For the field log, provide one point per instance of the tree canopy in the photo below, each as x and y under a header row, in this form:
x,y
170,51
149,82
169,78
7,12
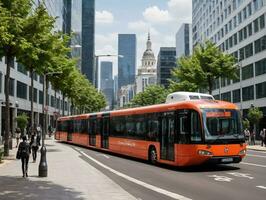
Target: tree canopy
x,y
200,70
153,94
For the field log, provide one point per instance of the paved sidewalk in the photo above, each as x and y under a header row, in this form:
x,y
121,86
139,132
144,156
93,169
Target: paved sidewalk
x,y
69,177
256,147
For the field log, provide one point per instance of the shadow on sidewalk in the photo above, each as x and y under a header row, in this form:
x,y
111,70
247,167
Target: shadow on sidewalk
x,y
21,188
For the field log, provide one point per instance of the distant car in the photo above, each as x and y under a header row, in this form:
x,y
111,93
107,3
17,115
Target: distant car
x,y
187,96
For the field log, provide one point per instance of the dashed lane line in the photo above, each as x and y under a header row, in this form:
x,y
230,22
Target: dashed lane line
x,y
262,187
252,164
136,181
252,155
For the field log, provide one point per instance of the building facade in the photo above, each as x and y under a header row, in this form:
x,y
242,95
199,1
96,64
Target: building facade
x,y
165,63
107,83
126,93
147,71
127,47
238,28
184,40
88,41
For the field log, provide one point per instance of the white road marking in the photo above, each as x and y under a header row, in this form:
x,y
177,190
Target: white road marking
x,y
237,174
256,151
221,178
262,187
251,155
103,155
253,164
136,181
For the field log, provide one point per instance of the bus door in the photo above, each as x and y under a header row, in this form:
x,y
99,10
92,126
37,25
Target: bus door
x,y
167,136
92,130
105,131
69,130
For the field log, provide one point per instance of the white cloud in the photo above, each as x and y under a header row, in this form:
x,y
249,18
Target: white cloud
x,y
180,10
155,15
104,17
142,27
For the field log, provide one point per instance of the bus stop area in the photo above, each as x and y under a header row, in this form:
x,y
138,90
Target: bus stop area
x,y
69,177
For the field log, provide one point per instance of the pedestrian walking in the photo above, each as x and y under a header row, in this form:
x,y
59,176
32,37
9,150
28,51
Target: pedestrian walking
x,y
247,135
24,154
264,131
34,145
252,137
18,136
262,136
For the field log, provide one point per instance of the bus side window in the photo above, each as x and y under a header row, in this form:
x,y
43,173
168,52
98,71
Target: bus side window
x,y
195,127
183,127
153,127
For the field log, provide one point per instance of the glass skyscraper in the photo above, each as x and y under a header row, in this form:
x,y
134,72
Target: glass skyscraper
x,y
165,63
88,43
184,41
127,48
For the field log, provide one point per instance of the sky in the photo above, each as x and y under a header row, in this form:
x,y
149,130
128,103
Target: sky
x,y
162,18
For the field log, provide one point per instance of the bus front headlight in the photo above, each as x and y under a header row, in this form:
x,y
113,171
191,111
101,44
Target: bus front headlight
x,y
242,152
204,153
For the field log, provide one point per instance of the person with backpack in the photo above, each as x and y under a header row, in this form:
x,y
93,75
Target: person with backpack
x,y
34,143
24,154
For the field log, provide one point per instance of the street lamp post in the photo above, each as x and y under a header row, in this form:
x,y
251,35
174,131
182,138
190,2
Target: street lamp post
x,y
43,167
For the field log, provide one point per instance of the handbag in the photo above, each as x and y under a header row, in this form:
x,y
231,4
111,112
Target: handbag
x,y
18,156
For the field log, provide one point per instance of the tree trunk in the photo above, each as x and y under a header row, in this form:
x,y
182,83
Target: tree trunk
x,y
31,101
7,108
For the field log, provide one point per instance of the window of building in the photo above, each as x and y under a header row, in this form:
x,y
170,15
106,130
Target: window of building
x,y
35,94
249,50
226,96
256,25
244,31
249,9
261,90
40,97
238,76
235,38
236,96
239,18
41,79
235,21
230,25
249,29
248,93
260,67
230,42
262,22
21,90
240,35
21,68
244,13
11,86
255,5
260,44
247,72
241,54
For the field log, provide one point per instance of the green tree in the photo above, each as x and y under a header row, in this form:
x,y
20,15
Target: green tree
x,y
37,28
246,124
254,116
153,94
200,70
13,17
22,121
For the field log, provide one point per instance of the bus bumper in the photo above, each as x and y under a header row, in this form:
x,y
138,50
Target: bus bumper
x,y
224,160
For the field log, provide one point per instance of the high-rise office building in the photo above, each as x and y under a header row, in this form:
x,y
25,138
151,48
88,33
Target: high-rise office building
x,y
165,63
184,41
107,82
127,47
238,28
88,43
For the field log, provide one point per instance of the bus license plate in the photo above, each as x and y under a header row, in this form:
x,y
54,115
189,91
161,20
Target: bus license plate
x,y
224,160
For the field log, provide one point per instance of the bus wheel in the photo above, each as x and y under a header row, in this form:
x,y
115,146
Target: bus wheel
x,y
153,155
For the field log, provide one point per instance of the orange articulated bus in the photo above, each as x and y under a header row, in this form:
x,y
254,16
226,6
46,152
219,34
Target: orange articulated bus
x,y
181,134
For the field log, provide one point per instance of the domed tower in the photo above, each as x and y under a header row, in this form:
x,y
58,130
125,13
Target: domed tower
x,y
147,71
148,58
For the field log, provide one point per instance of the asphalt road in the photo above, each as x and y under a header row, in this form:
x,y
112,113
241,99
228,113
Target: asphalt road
x,y
246,180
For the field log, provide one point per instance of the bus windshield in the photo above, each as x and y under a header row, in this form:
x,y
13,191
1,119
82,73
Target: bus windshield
x,y
222,124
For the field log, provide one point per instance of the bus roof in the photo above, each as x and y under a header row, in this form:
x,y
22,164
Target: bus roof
x,y
193,104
